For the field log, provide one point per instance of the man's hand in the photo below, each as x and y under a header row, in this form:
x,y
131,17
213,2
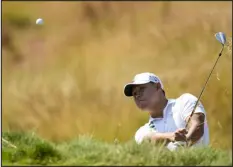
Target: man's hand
x,y
179,135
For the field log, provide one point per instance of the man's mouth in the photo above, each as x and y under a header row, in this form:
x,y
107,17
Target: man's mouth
x,y
143,103
142,100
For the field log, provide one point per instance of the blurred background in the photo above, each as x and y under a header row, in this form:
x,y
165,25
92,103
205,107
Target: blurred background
x,y
65,78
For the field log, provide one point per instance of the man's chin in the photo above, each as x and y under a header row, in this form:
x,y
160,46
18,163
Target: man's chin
x,y
143,107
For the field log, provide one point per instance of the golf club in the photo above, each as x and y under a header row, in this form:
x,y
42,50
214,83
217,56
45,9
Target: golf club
x,y
220,36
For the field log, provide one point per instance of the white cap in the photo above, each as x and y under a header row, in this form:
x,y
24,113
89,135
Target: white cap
x,y
139,79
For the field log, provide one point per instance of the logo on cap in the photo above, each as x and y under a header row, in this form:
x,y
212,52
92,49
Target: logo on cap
x,y
152,78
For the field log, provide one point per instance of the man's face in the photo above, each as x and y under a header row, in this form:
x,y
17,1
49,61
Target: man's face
x,y
144,95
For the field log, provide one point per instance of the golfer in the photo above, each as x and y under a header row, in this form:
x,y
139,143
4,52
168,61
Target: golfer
x,y
168,117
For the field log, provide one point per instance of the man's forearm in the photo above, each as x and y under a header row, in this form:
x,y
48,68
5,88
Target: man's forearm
x,y
196,128
161,137
194,134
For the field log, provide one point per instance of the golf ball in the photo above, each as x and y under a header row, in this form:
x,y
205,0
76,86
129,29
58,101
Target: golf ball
x,y
39,21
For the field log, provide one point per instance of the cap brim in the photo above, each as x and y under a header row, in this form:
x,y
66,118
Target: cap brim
x,y
129,87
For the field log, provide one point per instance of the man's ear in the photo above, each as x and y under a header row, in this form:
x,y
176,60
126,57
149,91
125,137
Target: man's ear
x,y
158,86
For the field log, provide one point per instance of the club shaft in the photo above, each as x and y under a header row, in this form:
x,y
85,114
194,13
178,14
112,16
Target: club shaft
x,y
203,88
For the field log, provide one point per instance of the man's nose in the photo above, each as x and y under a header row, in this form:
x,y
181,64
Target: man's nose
x,y
137,96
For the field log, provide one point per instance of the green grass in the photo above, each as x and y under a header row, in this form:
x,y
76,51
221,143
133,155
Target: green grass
x,y
85,150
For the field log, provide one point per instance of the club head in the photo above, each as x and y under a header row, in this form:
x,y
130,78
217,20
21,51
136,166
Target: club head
x,y
220,36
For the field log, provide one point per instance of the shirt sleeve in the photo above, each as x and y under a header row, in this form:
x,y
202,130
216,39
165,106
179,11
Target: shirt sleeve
x,y
143,132
188,102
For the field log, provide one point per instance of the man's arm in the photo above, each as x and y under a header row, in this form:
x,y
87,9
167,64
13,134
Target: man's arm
x,y
178,135
197,121
145,133
160,137
195,128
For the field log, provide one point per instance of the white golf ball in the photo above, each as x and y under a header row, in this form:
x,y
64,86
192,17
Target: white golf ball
x,y
39,21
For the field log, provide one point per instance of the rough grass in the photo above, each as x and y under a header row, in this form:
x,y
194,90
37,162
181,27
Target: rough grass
x,y
86,150
74,67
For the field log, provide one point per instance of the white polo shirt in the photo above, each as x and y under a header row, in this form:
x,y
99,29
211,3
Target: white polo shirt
x,y
174,115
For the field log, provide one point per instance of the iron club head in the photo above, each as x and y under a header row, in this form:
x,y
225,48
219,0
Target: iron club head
x,y
220,36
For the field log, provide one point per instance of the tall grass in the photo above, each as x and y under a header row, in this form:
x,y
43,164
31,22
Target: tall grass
x,y
74,67
86,150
